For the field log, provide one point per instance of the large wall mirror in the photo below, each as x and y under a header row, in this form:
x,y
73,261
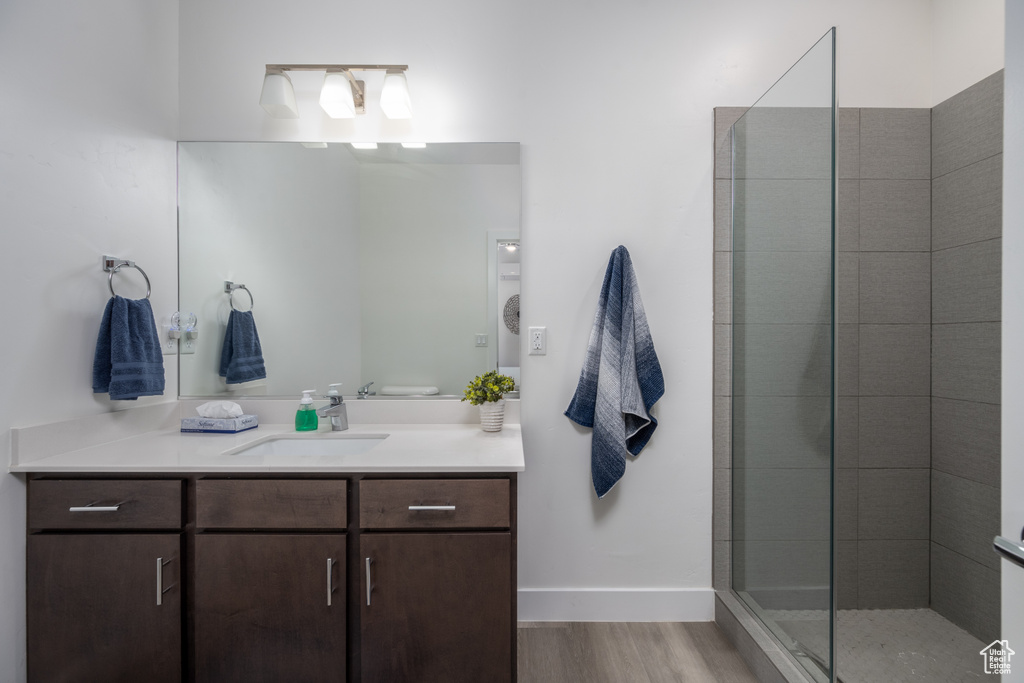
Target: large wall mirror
x,y
394,266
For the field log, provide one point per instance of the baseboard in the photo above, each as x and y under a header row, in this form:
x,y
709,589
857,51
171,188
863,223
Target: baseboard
x,y
610,604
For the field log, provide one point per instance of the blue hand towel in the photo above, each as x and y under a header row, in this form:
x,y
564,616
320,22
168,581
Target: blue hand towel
x,y
241,358
621,378
128,361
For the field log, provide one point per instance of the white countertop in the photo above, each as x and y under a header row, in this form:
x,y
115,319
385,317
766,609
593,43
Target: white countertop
x,y
407,448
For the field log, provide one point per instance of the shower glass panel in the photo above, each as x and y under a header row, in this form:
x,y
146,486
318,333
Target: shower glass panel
x,y
783,357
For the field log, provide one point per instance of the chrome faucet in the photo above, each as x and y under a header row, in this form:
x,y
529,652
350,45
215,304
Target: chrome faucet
x,y
364,390
336,409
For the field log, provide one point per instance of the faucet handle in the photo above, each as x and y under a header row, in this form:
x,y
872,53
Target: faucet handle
x,y
365,388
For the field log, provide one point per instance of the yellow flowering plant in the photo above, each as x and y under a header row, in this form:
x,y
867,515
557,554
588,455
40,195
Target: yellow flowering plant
x,y
488,388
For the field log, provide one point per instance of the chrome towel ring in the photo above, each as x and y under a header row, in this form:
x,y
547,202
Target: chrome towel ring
x,y
230,287
112,264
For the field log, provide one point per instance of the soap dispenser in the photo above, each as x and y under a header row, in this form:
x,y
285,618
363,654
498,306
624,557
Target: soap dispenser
x,y
305,417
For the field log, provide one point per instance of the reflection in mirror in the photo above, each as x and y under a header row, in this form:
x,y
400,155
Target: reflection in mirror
x,y
362,265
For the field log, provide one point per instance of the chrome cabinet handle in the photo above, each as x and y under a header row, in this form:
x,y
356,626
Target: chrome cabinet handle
x,y
431,507
330,580
159,581
94,508
369,581
1011,550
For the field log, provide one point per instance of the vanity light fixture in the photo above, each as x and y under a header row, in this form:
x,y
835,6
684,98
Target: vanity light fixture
x,y
414,145
342,96
363,145
509,246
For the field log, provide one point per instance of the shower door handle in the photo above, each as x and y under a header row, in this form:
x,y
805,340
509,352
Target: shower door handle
x,y
1011,550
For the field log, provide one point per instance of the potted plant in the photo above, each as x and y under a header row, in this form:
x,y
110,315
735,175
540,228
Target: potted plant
x,y
486,391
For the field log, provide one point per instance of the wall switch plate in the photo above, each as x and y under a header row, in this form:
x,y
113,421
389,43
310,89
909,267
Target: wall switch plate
x,y
481,340
538,341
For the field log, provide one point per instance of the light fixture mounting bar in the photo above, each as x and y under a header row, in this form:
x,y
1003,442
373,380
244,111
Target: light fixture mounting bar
x,y
278,68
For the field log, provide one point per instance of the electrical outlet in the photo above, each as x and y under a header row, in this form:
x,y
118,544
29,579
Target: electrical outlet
x,y
538,341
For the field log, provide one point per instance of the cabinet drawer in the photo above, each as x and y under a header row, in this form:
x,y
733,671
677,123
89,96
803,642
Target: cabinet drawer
x,y
104,504
433,503
271,504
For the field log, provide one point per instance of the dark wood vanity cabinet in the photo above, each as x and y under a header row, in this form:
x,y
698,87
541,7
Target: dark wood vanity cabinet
x,y
314,578
104,593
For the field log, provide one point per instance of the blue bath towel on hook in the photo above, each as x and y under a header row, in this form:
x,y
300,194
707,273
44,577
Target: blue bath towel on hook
x,y
621,378
241,358
128,361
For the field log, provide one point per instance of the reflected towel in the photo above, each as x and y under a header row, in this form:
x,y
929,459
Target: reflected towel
x,y
621,378
241,358
128,361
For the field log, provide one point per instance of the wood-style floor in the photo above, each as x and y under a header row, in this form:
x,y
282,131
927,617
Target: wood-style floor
x,y
628,653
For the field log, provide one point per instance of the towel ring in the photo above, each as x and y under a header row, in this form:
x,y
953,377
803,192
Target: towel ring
x,y
110,278
230,287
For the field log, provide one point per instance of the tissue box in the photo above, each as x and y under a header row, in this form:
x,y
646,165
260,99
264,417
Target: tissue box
x,y
227,425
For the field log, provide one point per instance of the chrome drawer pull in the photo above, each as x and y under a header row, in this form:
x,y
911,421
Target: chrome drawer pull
x,y
330,580
431,507
95,508
159,581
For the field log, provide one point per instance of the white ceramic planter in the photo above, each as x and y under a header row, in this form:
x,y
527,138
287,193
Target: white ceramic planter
x,y
492,415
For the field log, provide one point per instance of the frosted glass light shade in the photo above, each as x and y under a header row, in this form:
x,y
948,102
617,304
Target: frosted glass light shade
x,y
336,96
394,98
278,96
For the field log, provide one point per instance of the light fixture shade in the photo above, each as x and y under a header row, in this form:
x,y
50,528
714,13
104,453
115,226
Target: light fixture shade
x,y
394,98
336,96
278,96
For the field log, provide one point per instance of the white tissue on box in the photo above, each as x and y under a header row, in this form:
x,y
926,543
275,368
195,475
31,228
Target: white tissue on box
x,y
219,409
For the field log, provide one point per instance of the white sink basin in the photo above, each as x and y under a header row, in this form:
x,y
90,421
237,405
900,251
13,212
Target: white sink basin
x,y
318,445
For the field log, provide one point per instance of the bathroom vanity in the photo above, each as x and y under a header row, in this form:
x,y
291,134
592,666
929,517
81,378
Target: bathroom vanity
x,y
397,564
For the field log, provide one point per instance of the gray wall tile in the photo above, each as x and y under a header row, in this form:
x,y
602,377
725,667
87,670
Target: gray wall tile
x,y
761,566
847,481
966,439
847,432
723,287
722,513
722,437
849,360
721,579
895,143
848,216
848,142
782,360
966,593
895,215
895,287
846,574
782,214
725,117
965,517
968,127
892,574
966,361
967,283
895,431
781,504
781,431
723,360
893,504
848,287
967,204
782,287
894,360
723,214
784,142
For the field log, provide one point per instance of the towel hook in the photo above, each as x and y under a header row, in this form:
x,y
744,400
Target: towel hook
x,y
112,264
230,287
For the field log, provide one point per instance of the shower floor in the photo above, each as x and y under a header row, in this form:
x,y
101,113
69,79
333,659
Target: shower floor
x,y
897,645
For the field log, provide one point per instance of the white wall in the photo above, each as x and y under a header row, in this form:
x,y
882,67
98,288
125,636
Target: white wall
x,y
967,44
613,104
1013,332
87,130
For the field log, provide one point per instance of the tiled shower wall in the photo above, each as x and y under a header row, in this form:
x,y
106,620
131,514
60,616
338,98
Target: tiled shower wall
x,y
917,441
967,162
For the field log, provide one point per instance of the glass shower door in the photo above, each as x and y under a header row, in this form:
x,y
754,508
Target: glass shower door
x,y
783,332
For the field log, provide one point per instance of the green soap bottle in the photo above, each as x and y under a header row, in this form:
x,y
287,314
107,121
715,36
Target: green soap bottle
x,y
305,417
